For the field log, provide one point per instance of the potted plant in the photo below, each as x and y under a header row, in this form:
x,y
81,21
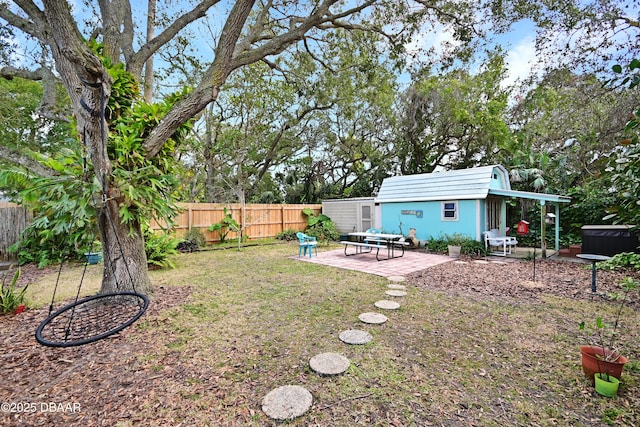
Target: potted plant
x,y
454,244
454,250
601,361
94,254
12,299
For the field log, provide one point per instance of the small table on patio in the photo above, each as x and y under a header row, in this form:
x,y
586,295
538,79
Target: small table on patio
x,y
369,241
594,258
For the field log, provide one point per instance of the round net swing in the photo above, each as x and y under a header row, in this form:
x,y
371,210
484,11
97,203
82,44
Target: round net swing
x,y
99,316
91,319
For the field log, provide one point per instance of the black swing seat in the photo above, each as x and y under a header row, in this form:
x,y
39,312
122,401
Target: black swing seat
x,y
91,319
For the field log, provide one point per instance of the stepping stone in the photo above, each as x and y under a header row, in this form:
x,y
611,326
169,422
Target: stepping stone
x,y
481,261
460,262
374,318
396,286
396,293
355,337
387,305
329,363
396,278
287,402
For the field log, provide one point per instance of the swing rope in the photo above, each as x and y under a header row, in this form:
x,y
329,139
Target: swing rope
x,y
96,317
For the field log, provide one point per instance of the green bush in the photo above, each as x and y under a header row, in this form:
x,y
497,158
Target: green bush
x,y
436,245
158,249
622,260
10,297
226,225
321,227
324,231
192,241
468,246
288,235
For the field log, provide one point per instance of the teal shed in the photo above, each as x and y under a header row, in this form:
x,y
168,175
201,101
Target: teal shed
x,y
466,201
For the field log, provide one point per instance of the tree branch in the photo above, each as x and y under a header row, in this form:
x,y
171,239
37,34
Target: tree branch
x,y
213,78
33,27
254,32
151,46
25,161
279,43
48,103
10,72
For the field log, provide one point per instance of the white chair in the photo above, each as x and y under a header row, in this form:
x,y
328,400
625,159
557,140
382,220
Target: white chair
x,y
504,244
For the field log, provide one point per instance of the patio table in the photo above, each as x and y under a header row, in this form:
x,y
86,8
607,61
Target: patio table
x,y
367,242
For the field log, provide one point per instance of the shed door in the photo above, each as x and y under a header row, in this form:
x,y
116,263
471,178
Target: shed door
x,y
493,212
365,217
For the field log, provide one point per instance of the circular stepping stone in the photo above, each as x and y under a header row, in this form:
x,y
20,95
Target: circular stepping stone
x,y
396,278
329,363
396,286
374,318
396,293
287,402
355,337
387,305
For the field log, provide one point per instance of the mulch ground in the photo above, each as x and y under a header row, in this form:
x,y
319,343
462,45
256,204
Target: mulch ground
x,y
515,280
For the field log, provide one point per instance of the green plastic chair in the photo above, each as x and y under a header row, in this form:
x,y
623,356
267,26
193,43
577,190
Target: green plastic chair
x,y
307,243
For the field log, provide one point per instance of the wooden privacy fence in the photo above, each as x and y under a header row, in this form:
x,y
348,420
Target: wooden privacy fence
x,y
256,220
13,220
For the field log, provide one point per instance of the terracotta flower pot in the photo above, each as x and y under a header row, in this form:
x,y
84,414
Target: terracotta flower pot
x,y
592,364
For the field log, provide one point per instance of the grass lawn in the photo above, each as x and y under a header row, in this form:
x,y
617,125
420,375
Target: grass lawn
x,y
230,326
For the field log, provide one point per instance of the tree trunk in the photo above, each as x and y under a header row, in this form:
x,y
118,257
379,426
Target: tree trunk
x,y
148,68
125,260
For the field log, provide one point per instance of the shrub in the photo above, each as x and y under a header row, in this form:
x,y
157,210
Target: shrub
x,y
324,231
321,227
226,225
622,260
192,241
288,235
158,248
10,296
468,246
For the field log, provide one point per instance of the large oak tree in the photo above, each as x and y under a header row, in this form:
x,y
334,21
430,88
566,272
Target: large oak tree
x,y
250,31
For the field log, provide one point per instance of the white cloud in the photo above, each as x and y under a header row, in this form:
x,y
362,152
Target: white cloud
x,y
520,61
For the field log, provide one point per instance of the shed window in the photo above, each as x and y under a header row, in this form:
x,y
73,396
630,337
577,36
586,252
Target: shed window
x,y
450,211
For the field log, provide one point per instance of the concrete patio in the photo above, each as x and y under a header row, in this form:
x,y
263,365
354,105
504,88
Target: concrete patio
x,y
412,261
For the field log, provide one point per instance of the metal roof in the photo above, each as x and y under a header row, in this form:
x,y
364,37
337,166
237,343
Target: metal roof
x,y
529,195
463,184
459,184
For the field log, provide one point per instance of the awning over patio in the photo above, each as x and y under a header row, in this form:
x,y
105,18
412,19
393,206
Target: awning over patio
x,y
530,195
543,198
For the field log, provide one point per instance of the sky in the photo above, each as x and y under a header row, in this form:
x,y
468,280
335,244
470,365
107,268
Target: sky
x,y
519,45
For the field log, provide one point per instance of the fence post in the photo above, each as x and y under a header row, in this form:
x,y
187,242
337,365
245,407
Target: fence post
x,y
282,220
